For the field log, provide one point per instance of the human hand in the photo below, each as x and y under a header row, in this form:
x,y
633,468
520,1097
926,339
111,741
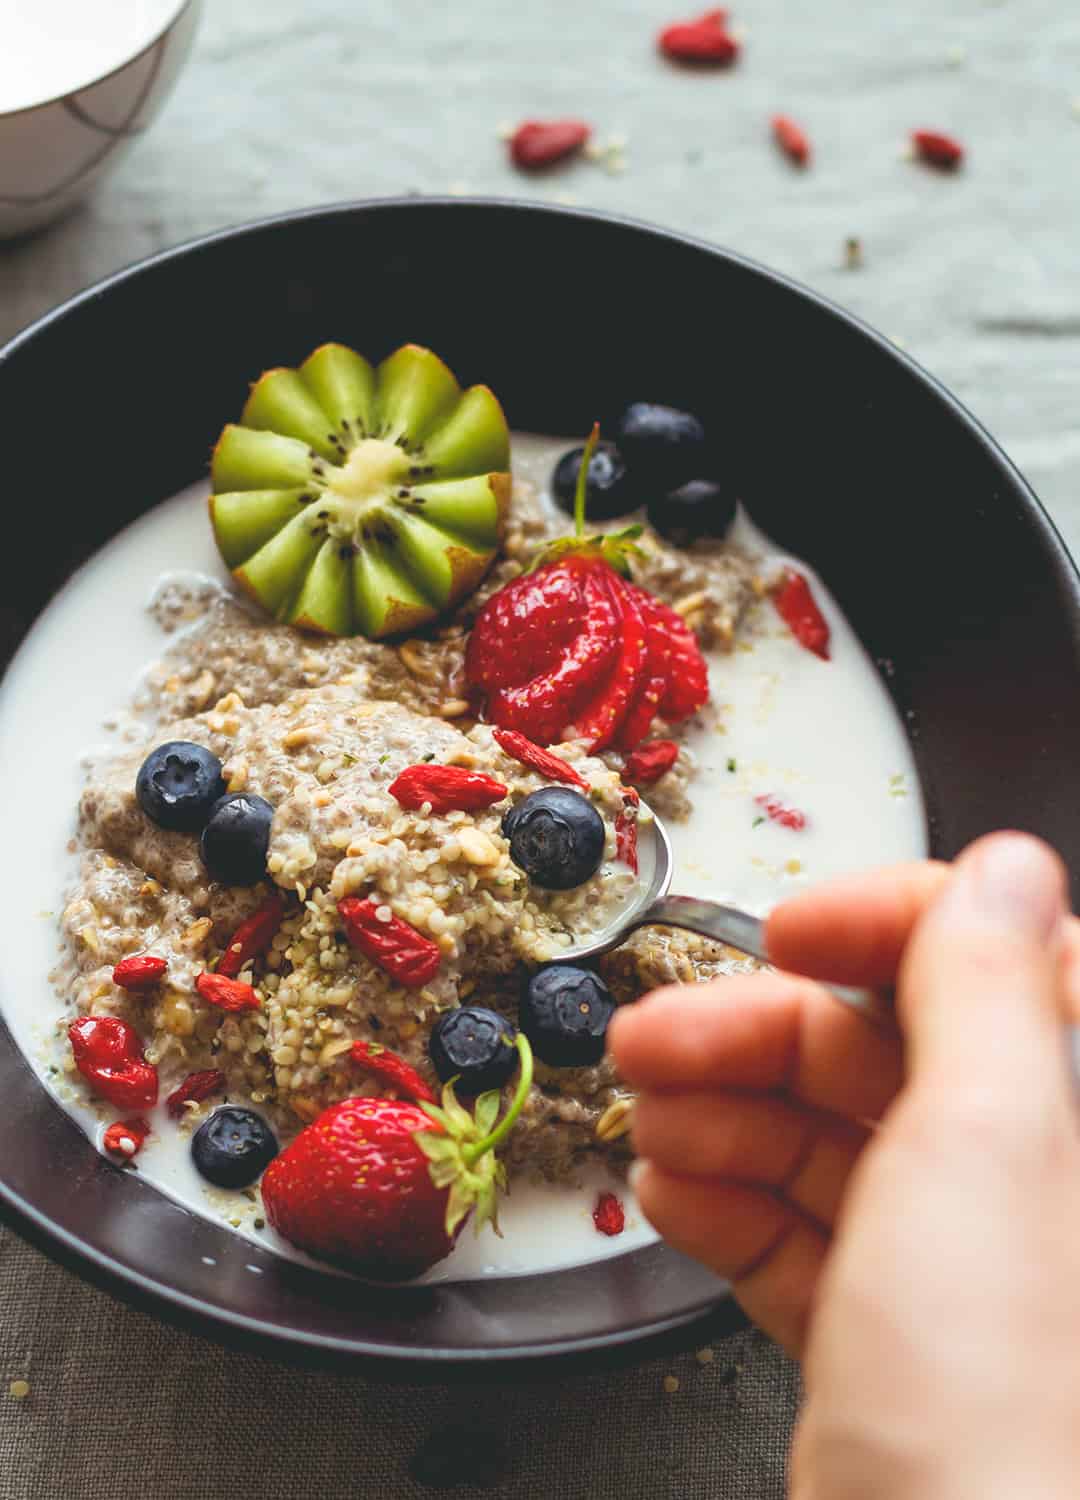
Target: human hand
x,y
906,1217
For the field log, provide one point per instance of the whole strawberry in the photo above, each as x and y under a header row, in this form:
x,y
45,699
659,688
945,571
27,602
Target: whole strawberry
x,y
383,1187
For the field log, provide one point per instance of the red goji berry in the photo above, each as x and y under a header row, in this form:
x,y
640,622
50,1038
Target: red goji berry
x,y
651,761
626,838
792,139
227,994
523,750
446,788
125,1138
393,1070
195,1086
608,1215
252,937
541,143
937,149
800,613
705,40
402,952
780,812
139,972
109,1055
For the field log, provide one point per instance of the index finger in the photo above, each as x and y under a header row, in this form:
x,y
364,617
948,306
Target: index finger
x,y
854,930
760,1032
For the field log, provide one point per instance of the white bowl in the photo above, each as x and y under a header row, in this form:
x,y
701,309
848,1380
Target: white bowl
x,y
53,152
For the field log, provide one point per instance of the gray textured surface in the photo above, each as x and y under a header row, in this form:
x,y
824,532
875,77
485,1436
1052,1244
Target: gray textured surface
x,y
977,274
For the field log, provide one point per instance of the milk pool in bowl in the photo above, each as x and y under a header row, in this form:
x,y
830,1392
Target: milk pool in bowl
x,y
823,735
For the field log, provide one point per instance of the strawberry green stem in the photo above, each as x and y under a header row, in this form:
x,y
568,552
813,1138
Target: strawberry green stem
x,y
472,1153
583,479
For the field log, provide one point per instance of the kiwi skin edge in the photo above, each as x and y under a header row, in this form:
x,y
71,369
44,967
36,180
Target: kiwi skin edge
x,y
353,499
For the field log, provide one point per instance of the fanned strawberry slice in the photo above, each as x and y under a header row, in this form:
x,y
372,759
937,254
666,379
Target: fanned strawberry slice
x,y
646,704
686,686
523,629
544,705
601,719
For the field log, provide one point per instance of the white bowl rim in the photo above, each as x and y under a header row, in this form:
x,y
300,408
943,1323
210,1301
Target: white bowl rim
x,y
179,6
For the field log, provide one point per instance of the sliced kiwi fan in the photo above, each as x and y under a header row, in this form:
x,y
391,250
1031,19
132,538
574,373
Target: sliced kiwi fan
x,y
358,500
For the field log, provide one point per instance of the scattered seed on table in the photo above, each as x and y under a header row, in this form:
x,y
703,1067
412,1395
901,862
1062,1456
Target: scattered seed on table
x,y
705,1356
18,1390
671,1384
853,254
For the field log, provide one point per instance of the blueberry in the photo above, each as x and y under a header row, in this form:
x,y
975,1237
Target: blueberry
x,y
178,784
233,1146
662,447
696,509
556,836
608,491
235,839
476,1046
564,1011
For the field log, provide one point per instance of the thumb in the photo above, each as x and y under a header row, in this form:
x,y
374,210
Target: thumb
x,y
979,991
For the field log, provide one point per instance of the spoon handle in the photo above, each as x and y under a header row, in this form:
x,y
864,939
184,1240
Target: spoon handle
x,y
727,924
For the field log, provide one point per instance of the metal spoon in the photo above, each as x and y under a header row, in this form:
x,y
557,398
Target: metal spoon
x,y
653,905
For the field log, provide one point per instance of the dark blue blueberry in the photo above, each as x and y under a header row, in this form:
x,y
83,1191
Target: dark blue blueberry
x,y
608,491
662,447
697,509
178,784
564,1011
476,1046
235,839
556,836
233,1147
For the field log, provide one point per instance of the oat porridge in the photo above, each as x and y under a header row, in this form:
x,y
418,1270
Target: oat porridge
x,y
420,860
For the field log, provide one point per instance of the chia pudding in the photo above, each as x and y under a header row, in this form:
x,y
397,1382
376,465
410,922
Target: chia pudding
x,y
321,728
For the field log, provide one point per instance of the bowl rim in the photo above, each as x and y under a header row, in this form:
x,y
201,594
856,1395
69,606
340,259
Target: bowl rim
x,y
165,1300
179,7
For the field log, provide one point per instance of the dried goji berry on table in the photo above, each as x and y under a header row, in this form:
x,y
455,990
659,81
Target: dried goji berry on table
x,y
109,1055
252,937
398,949
393,1070
446,788
527,754
541,143
195,1086
937,149
792,139
780,812
706,40
649,762
608,1215
125,1138
227,994
799,611
139,972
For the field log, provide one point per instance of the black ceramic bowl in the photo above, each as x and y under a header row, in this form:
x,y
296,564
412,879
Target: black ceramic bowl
x,y
843,450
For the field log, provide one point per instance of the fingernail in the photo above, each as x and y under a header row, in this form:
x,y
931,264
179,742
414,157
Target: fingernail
x,y
633,1173
1015,881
